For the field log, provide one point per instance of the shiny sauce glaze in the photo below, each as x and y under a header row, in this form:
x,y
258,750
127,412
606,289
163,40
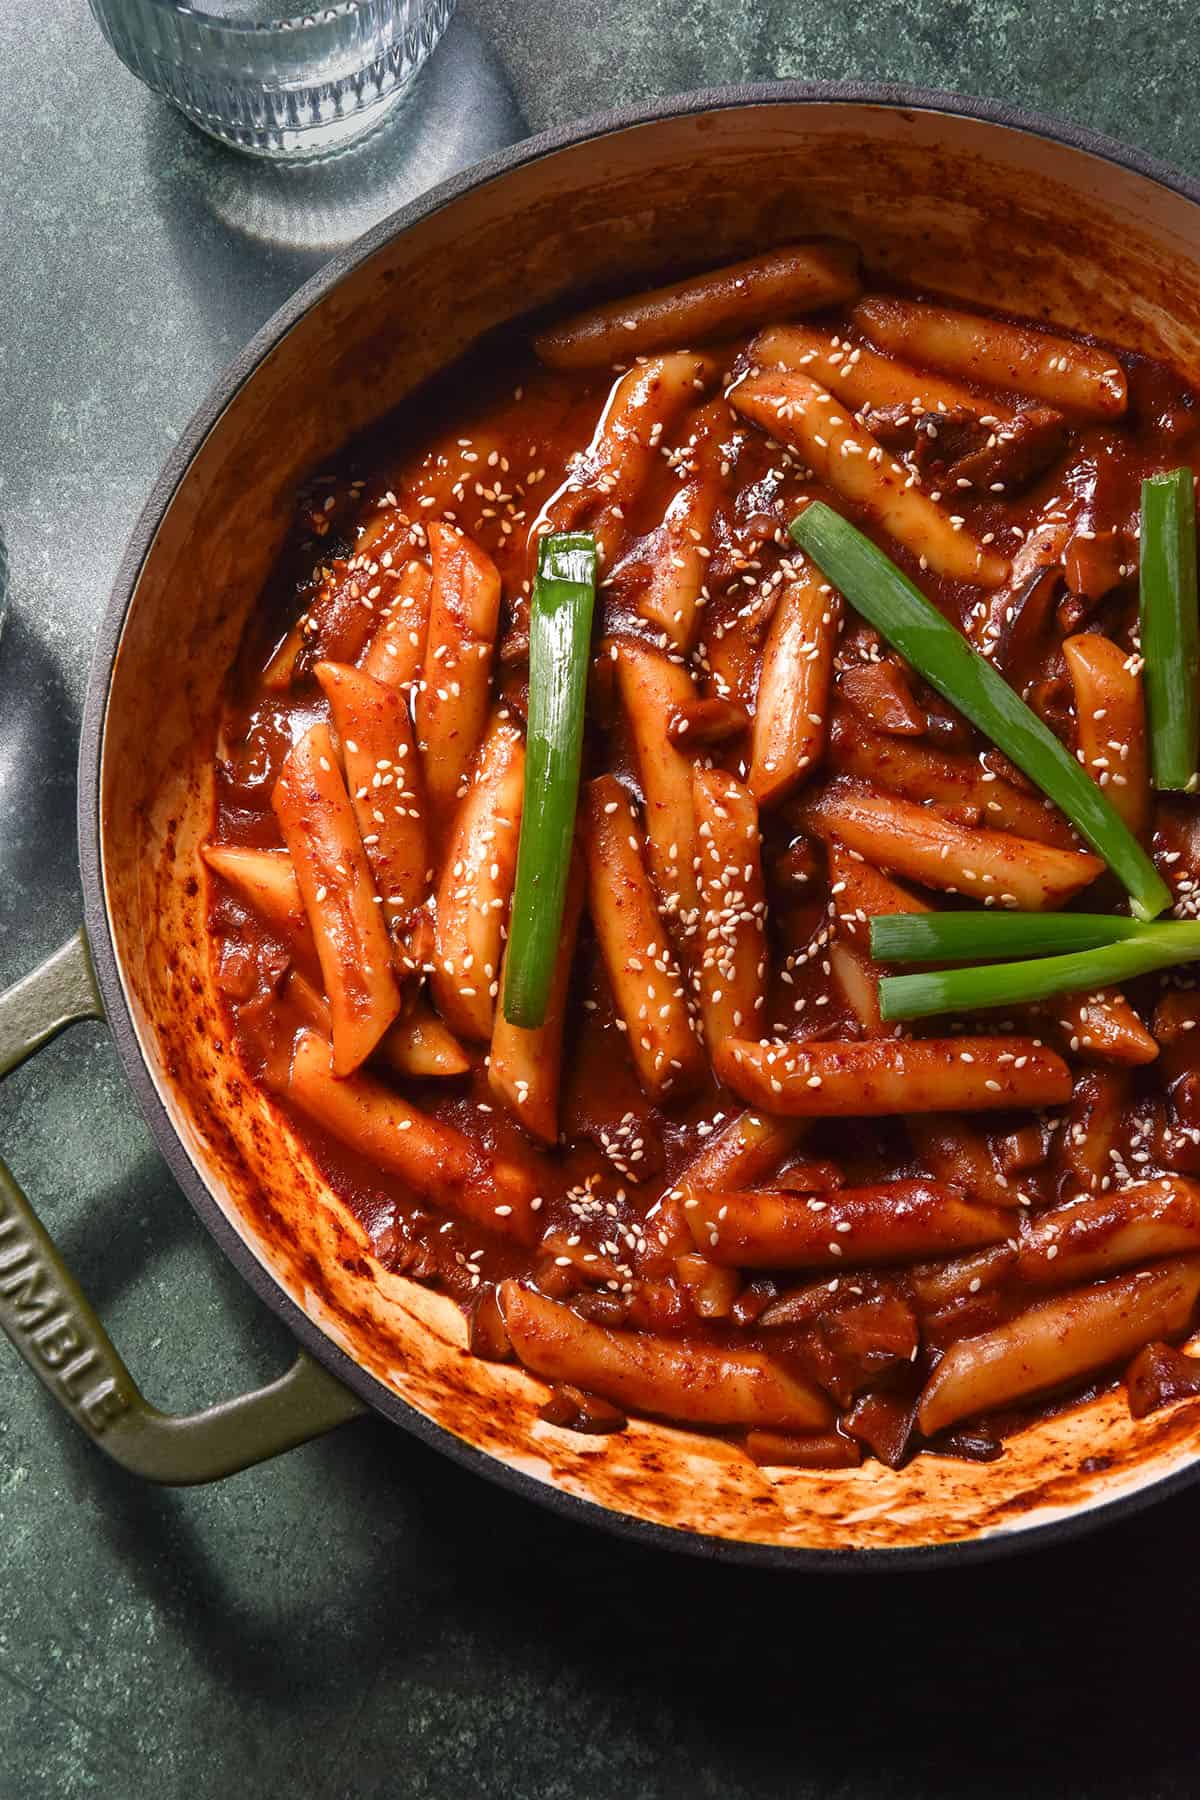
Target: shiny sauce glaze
x,y
617,1231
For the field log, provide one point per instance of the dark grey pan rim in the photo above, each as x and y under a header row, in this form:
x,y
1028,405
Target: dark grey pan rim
x,y
309,1334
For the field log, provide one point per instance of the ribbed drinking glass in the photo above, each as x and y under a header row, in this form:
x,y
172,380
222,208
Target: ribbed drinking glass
x,y
275,84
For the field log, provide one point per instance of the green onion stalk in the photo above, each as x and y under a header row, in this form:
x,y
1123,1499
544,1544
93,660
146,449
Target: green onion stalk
x,y
560,628
939,652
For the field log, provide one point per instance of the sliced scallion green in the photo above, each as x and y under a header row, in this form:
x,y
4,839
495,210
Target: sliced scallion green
x,y
1020,983
1170,623
885,597
965,936
560,629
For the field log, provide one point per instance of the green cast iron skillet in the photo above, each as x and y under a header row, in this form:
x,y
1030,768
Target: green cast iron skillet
x,y
42,1309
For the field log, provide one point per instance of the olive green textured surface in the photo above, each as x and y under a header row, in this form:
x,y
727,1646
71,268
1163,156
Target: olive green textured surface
x,y
360,1620
51,1324
58,993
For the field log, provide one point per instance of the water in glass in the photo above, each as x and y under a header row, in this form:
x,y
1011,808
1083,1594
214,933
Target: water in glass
x,y
274,83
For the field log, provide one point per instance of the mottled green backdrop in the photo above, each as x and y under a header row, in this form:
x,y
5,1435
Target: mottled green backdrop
x,y
362,1620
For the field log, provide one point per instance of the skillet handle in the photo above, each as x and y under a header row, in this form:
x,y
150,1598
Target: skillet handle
x,y
44,1312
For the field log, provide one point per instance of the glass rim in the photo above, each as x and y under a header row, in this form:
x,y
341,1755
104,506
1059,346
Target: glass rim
x,y
314,17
